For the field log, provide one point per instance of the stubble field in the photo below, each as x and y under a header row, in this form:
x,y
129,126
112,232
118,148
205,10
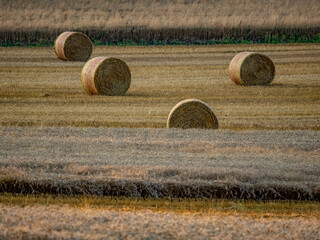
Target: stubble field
x,y
72,223
56,139
37,89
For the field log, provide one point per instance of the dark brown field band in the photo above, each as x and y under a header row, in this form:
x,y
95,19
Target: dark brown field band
x,y
59,45
131,188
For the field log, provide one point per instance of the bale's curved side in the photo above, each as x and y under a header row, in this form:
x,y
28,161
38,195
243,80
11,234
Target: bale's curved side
x,y
106,76
249,68
87,75
234,67
59,45
73,46
192,113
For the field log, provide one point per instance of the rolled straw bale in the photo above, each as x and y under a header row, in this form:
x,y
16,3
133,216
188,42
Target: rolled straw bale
x,y
73,46
106,76
192,113
249,68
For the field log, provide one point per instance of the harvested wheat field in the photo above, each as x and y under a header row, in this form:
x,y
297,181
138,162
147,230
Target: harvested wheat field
x,y
37,89
55,222
174,163
57,140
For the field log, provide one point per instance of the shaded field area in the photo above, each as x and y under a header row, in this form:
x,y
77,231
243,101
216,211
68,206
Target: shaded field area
x,y
51,222
161,163
37,89
161,22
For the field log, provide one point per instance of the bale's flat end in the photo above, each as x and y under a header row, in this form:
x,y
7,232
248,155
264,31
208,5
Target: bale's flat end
x,y
192,113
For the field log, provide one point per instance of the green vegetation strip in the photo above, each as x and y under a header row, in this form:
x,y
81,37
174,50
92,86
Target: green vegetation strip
x,y
171,37
223,206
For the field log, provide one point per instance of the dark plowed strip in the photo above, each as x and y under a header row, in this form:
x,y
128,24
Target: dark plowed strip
x,y
157,190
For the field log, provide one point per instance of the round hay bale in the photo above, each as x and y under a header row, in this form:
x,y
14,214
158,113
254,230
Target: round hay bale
x,y
192,113
106,76
73,46
249,68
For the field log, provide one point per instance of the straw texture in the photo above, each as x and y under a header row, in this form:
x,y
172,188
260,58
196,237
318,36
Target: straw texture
x,y
192,113
106,76
249,68
73,46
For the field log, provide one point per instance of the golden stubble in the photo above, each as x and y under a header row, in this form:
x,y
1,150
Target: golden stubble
x,y
37,89
201,207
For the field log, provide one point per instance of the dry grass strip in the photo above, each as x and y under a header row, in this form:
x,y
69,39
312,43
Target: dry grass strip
x,y
282,208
